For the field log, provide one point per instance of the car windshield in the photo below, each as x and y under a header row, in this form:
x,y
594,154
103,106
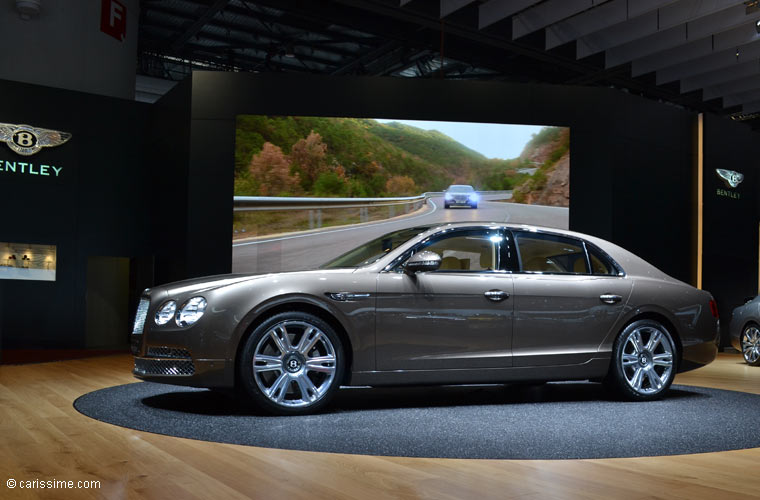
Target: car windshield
x,y
372,251
460,189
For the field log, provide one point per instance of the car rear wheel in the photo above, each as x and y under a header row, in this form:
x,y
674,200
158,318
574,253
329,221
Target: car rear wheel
x,y
751,345
292,364
644,361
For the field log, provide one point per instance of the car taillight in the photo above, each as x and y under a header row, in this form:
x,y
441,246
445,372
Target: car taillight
x,y
714,309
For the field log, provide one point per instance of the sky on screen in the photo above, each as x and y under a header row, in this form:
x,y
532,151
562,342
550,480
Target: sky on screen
x,y
492,140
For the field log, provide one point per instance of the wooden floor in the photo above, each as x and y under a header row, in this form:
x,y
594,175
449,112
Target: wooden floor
x,y
43,437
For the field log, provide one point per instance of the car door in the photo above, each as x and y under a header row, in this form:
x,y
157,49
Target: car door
x,y
567,297
457,317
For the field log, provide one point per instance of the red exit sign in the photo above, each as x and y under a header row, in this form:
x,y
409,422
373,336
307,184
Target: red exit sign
x,y
113,19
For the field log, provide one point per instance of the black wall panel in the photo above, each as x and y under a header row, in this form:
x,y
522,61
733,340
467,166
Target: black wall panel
x,y
730,249
97,207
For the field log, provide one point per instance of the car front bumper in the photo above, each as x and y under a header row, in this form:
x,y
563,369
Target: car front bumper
x,y
184,371
460,202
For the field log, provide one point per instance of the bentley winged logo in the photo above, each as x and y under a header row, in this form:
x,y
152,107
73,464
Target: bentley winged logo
x,y
27,140
731,178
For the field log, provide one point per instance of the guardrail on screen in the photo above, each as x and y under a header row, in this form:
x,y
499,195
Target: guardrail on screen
x,y
316,205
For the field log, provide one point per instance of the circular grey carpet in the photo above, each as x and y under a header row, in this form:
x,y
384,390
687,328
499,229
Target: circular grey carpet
x,y
552,421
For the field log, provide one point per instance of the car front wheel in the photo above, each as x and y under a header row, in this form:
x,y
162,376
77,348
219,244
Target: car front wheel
x,y
292,364
644,361
751,345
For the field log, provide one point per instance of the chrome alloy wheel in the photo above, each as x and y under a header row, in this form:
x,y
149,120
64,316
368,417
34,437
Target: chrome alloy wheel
x,y
647,359
751,344
294,364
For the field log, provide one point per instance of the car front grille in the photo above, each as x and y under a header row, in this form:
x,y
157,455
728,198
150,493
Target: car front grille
x,y
169,367
142,313
168,352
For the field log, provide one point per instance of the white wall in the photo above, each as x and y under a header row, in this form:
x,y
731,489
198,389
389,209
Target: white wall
x,y
64,47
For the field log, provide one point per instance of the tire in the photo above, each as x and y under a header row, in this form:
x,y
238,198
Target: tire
x,y
474,205
644,361
292,364
750,344
446,205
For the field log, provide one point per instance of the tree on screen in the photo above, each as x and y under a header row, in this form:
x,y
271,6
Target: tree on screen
x,y
270,167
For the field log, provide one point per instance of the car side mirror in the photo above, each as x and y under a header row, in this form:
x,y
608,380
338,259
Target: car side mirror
x,y
422,261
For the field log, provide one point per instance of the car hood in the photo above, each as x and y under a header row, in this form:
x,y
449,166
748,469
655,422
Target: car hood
x,y
207,283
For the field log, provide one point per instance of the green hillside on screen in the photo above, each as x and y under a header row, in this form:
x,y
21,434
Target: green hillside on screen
x,y
318,156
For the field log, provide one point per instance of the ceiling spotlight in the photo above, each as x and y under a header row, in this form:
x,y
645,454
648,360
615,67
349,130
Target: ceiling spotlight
x,y
28,9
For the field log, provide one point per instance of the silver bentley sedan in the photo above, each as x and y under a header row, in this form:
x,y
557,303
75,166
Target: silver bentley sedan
x,y
445,304
745,330
460,195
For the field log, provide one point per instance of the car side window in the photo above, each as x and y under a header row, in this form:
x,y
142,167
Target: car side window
x,y
550,253
466,251
600,263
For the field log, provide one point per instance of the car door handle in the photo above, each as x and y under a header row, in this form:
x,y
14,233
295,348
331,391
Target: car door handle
x,y
609,298
496,295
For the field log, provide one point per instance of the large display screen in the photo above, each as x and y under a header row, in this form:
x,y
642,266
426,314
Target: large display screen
x,y
27,261
327,157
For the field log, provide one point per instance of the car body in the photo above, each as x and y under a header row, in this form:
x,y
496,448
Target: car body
x,y
444,304
460,195
744,330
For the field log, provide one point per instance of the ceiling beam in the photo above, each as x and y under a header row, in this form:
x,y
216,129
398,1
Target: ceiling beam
x,y
720,76
450,6
751,107
544,14
718,60
494,11
699,48
368,57
700,28
221,44
195,27
741,98
599,18
733,87
268,35
649,23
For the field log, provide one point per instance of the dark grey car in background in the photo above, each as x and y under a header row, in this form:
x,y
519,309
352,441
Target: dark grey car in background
x,y
445,304
745,330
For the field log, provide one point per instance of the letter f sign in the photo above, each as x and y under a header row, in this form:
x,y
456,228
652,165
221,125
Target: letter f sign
x,y
113,19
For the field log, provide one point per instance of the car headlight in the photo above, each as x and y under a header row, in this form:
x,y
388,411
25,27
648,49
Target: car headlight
x,y
448,196
474,196
165,313
191,311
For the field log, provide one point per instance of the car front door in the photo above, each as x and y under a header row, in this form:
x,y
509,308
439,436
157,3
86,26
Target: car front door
x,y
457,317
566,300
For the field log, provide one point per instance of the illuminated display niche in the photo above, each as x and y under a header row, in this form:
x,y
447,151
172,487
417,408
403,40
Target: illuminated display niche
x,y
27,261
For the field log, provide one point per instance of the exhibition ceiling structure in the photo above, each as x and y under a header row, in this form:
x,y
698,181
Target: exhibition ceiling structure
x,y
151,142
702,55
